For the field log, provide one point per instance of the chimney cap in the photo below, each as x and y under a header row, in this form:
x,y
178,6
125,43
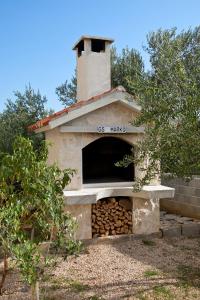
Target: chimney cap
x,y
92,37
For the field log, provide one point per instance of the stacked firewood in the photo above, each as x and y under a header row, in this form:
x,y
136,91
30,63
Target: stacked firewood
x,y
112,216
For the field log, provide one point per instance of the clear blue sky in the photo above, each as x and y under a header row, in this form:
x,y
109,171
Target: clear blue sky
x,y
36,36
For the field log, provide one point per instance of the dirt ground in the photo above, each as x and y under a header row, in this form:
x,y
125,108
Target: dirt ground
x,y
138,269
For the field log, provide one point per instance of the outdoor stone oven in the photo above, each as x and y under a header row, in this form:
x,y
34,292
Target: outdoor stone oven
x,y
91,136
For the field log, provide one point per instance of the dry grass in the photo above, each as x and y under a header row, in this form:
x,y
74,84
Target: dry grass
x,y
164,269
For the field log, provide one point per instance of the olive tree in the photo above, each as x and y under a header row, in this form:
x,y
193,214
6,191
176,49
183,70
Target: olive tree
x,y
170,101
25,109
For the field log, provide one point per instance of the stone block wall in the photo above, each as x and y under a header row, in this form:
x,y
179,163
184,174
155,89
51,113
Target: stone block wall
x,y
187,197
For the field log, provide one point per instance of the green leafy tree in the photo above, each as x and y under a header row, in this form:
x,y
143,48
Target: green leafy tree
x,y
66,92
31,210
170,101
26,109
126,68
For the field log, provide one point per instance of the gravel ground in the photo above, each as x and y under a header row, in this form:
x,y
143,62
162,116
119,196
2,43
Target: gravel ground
x,y
137,269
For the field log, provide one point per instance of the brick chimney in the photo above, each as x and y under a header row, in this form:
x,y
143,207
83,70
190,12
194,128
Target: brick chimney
x,y
93,66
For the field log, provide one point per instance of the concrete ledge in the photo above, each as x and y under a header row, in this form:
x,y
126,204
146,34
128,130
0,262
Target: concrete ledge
x,y
92,195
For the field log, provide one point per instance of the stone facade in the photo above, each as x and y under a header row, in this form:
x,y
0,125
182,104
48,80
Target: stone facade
x,y
145,206
66,147
145,217
82,214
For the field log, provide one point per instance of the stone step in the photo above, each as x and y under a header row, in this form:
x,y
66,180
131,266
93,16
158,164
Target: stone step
x,y
188,230
171,232
191,230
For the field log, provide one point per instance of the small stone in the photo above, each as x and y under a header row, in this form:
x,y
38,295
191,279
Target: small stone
x,y
95,236
170,217
171,222
163,213
186,219
25,289
185,222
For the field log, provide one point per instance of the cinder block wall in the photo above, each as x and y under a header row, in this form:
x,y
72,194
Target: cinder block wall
x,y
187,197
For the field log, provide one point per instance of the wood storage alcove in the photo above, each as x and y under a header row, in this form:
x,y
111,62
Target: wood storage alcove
x,y
112,216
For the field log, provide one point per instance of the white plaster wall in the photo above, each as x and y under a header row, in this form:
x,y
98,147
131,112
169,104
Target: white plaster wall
x,y
82,214
53,139
114,113
146,215
66,148
66,151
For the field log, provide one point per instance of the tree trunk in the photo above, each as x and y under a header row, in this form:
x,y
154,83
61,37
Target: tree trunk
x,y
35,287
5,271
35,291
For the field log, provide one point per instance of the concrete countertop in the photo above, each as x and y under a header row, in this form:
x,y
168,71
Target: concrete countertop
x,y
92,195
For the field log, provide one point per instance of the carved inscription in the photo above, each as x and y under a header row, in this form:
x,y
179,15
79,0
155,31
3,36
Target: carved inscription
x,y
111,129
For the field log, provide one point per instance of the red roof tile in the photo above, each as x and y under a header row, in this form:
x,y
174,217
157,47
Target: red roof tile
x,y
44,122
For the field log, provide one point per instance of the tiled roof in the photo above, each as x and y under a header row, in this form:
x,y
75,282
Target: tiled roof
x,y
44,122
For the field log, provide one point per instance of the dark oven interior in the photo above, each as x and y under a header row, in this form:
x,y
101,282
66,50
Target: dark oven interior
x,y
99,158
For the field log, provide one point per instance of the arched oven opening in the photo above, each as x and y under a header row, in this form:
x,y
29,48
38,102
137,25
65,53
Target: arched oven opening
x,y
99,158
